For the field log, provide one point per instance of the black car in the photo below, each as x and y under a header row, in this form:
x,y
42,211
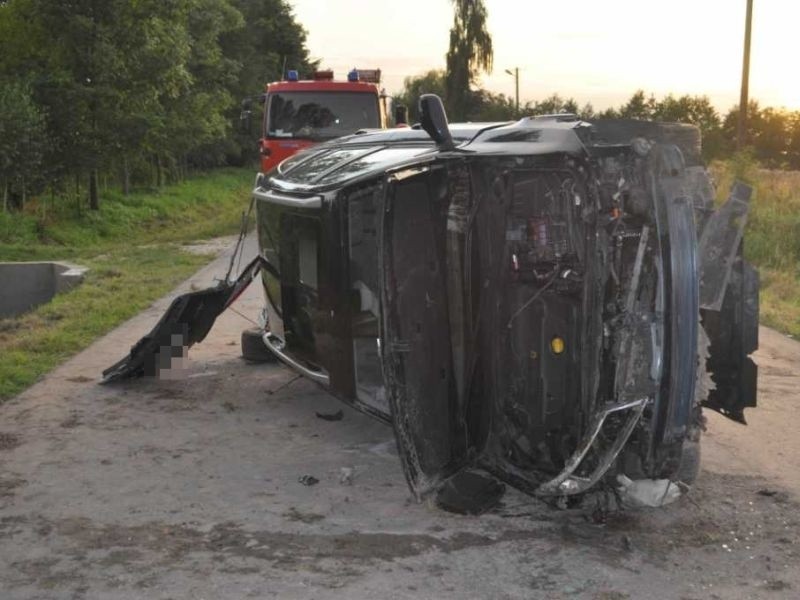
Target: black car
x,y
551,301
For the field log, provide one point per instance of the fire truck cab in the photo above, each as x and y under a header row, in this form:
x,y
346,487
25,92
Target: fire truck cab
x,y
300,113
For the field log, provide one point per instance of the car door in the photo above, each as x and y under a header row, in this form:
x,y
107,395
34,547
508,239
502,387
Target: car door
x,y
416,329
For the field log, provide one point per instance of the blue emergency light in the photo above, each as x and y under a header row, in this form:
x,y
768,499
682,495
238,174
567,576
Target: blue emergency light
x,y
292,75
352,75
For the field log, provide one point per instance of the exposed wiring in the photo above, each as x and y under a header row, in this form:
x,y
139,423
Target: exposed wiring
x,y
246,318
531,299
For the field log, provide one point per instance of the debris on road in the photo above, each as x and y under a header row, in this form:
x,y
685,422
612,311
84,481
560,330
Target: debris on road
x,y
8,441
648,492
308,480
336,416
304,517
470,493
346,475
627,543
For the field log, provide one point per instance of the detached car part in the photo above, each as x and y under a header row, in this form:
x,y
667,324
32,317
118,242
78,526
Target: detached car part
x,y
186,322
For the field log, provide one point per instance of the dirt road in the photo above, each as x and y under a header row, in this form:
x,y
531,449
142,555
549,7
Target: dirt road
x,y
189,489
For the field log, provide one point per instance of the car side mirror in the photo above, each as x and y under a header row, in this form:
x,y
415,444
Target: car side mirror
x,y
434,121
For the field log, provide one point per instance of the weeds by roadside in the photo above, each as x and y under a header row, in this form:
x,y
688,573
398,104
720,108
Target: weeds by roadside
x,y
205,206
772,240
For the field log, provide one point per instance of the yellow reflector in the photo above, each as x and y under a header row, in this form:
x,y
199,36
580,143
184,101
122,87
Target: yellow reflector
x,y
557,345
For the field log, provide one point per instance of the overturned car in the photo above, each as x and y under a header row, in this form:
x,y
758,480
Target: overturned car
x,y
551,301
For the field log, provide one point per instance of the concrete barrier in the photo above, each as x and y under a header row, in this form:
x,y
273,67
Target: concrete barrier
x,y
26,285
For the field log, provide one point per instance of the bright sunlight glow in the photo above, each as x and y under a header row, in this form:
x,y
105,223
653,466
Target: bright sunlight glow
x,y
598,52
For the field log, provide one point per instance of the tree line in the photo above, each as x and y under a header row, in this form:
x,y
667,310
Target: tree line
x,y
142,91
772,135
131,91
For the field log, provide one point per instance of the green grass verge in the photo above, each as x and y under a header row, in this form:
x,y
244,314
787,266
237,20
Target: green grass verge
x,y
772,237
205,206
132,250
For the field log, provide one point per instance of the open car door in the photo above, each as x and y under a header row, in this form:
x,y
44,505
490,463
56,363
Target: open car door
x,y
416,330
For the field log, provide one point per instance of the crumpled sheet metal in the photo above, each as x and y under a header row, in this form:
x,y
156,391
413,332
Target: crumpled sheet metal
x,y
647,492
186,322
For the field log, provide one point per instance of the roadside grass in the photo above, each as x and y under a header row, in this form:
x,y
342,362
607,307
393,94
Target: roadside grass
x,y
205,206
132,249
772,238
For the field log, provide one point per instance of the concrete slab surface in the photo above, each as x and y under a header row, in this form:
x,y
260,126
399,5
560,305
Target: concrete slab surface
x,y
26,285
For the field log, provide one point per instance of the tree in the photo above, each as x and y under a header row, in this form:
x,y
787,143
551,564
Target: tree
x,y
638,107
470,52
480,104
793,147
431,82
483,105
86,55
194,127
553,105
268,38
143,88
81,56
154,44
21,141
772,137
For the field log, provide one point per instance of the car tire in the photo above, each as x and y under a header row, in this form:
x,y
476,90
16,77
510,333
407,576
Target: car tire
x,y
253,347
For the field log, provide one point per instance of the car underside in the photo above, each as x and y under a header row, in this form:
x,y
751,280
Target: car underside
x,y
541,316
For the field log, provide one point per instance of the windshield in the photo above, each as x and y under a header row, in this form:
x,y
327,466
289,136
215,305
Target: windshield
x,y
321,115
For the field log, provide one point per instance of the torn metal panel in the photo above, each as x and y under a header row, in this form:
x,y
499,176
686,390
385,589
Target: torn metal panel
x,y
733,332
652,493
567,482
702,193
186,322
719,244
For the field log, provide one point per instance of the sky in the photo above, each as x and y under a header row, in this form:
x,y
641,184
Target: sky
x,y
598,51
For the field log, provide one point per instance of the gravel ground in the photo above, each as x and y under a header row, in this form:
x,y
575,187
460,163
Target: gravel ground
x,y
188,488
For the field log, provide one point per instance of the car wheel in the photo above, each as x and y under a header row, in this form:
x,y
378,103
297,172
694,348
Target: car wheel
x,y
253,347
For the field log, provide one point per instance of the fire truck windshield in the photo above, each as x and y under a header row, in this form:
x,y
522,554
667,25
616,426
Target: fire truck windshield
x,y
320,115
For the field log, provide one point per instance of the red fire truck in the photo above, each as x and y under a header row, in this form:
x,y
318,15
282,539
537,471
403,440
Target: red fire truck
x,y
299,113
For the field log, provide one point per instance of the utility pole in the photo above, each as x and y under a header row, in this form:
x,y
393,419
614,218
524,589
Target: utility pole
x,y
743,100
515,75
